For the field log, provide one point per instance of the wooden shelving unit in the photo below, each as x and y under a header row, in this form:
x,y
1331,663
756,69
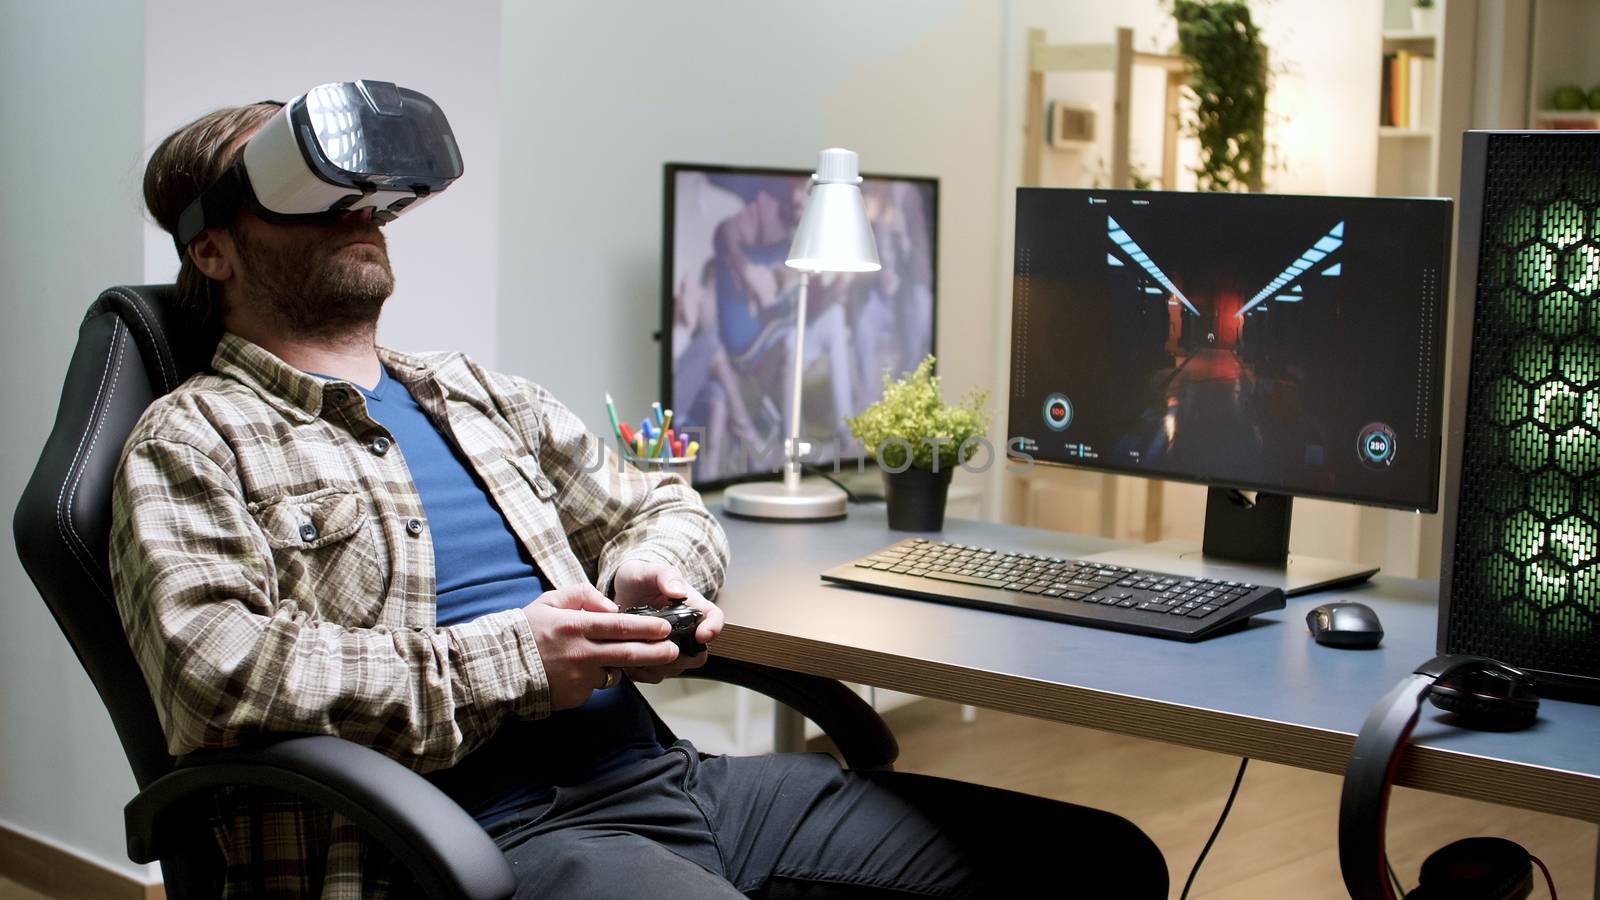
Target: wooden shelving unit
x,y
1406,153
1561,53
1566,118
1119,59
1424,158
1402,35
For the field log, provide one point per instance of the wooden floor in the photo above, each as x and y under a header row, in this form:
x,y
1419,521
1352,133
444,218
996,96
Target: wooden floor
x,y
1279,840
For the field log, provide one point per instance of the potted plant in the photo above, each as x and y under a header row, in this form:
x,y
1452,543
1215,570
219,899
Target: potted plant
x,y
1228,80
1425,17
917,441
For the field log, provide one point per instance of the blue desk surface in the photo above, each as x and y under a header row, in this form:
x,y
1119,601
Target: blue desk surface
x,y
1267,691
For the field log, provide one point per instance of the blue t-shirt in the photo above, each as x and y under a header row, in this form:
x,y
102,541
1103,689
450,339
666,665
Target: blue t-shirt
x,y
479,568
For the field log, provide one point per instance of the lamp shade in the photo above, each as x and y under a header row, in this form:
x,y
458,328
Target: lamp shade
x,y
834,234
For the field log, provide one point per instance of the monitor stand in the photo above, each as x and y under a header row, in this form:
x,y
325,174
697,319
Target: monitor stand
x,y
1246,541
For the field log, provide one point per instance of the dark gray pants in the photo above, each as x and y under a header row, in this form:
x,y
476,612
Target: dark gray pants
x,y
680,827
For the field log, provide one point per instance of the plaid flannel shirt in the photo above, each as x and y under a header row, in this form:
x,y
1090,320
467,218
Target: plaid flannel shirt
x,y
275,574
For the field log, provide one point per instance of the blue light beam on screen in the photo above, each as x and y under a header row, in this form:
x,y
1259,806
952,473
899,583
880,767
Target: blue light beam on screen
x,y
1298,266
1121,238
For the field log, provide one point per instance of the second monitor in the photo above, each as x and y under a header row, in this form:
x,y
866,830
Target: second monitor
x,y
729,311
1282,344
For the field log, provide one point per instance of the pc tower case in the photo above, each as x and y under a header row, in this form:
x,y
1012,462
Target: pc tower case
x,y
1520,580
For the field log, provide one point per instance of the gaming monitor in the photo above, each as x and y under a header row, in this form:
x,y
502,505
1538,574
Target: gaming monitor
x,y
728,307
1284,344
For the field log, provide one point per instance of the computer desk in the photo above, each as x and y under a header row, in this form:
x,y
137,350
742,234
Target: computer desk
x,y
1267,692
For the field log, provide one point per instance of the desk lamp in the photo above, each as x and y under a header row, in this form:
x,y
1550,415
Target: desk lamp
x,y
834,236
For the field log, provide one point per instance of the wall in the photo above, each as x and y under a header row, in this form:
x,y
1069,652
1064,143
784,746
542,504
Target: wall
x,y
444,255
67,229
598,96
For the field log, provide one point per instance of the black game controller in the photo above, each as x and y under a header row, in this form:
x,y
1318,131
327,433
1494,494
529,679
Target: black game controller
x,y
683,618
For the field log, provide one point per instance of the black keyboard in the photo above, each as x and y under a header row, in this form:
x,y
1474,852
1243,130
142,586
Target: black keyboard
x,y
1079,592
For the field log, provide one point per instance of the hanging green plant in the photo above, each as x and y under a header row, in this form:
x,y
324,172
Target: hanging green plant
x,y
1228,83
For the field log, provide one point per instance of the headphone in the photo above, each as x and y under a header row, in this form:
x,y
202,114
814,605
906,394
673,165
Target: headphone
x,y
1481,693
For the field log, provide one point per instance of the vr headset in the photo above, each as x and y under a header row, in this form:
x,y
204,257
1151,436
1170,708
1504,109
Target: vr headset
x,y
336,148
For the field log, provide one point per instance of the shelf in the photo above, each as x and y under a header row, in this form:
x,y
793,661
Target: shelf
x,y
1390,131
1409,37
1591,116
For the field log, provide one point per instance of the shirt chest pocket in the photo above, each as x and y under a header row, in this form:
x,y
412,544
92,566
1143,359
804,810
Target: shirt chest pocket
x,y
528,470
327,554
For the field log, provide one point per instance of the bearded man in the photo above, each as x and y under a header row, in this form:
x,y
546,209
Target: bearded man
x,y
409,551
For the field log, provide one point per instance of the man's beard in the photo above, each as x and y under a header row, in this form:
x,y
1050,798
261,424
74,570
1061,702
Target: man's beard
x,y
318,288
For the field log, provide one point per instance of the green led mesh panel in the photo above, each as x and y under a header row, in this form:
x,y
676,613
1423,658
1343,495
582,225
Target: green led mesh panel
x,y
1525,582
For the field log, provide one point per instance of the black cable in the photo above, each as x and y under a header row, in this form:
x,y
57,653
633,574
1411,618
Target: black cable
x,y
850,495
1215,831
1548,881
1394,879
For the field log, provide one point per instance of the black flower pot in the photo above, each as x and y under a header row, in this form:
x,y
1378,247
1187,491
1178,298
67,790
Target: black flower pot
x,y
916,498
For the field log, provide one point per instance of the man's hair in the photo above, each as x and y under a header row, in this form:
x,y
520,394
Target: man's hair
x,y
190,160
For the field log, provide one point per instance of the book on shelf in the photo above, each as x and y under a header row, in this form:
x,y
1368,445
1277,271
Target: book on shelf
x,y
1408,90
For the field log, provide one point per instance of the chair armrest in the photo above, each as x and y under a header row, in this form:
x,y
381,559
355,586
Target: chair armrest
x,y
443,848
863,738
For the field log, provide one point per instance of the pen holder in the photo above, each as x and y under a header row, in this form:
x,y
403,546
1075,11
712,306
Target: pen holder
x,y
678,465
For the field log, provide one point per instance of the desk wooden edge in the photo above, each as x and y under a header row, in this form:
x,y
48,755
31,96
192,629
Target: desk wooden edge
x,y
1540,789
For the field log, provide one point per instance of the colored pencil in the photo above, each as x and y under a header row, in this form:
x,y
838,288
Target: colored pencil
x,y
611,410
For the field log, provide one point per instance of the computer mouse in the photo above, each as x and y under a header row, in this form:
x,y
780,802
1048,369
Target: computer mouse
x,y
1351,625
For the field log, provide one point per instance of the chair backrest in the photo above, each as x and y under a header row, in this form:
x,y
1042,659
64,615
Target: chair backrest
x,y
133,346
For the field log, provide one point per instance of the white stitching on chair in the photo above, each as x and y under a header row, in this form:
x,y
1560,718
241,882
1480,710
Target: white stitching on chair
x,y
63,514
159,346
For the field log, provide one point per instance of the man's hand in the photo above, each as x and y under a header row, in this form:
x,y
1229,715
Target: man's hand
x,y
580,636
640,583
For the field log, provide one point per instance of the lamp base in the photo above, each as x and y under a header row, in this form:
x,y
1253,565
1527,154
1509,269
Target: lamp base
x,y
776,500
